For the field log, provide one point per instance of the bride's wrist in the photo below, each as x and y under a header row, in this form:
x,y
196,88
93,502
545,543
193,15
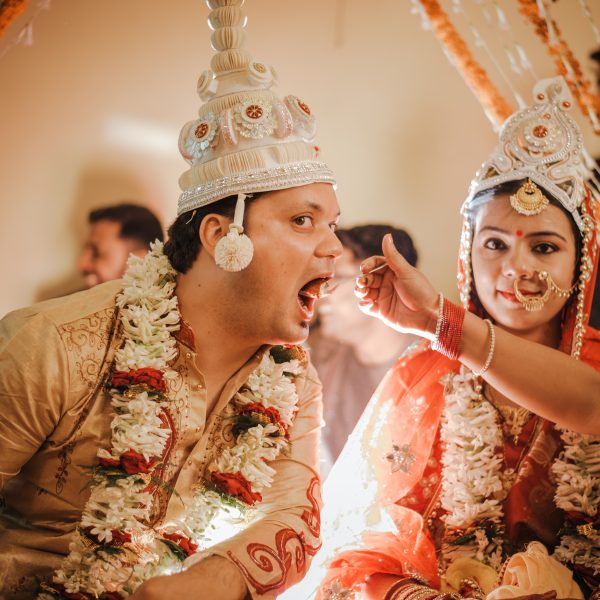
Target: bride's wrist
x,y
432,315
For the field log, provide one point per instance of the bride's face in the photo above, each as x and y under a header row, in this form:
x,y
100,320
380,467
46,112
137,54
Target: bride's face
x,y
508,246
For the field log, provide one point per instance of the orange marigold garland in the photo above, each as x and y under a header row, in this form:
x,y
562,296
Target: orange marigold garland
x,y
9,11
560,51
494,104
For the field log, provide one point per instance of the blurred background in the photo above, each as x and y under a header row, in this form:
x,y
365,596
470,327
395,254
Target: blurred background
x,y
93,94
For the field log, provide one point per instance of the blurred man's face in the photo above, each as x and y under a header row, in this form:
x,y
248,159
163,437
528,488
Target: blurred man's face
x,y
104,255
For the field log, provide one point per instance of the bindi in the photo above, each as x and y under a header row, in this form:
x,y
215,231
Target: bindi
x,y
519,233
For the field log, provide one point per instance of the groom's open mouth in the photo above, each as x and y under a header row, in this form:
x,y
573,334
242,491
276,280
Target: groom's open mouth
x,y
310,292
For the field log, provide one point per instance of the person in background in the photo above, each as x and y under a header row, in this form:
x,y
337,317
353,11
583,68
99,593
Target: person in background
x,y
115,233
350,350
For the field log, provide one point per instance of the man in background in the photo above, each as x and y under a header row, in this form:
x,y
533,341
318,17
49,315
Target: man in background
x,y
350,350
115,232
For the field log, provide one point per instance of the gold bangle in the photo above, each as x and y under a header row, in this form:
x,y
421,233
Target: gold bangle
x,y
488,360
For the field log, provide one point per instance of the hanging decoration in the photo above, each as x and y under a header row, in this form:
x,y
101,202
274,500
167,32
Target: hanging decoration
x,y
566,64
496,107
537,14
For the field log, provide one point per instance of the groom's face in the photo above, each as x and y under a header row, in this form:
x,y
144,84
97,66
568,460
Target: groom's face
x,y
295,246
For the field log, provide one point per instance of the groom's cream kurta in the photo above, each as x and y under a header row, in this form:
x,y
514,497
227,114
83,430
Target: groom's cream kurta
x,y
55,414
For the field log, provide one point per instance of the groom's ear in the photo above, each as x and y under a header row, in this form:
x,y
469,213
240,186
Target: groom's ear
x,y
211,229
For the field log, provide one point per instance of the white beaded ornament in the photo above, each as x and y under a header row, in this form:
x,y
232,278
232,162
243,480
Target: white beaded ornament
x,y
234,251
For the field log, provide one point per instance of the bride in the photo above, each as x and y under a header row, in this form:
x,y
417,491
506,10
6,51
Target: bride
x,y
465,476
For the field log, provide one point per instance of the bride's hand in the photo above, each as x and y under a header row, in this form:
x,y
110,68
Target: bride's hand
x,y
400,295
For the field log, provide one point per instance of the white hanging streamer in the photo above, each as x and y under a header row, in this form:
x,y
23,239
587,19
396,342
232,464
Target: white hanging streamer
x,y
495,19
457,6
588,13
517,56
417,9
481,43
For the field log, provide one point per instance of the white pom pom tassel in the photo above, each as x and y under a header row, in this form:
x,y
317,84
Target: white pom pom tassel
x,y
234,251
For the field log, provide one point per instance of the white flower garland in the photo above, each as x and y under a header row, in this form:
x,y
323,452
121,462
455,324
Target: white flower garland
x,y
473,486
577,472
121,551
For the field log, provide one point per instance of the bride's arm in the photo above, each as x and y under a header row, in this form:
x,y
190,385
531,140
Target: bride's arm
x,y
542,379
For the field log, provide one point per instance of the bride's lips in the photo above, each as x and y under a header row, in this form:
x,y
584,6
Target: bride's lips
x,y
510,295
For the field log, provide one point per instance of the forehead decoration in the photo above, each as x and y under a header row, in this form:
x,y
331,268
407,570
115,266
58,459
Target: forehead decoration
x,y
529,199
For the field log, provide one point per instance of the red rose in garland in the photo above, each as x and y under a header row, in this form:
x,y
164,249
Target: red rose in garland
x,y
133,462
118,537
182,541
236,485
109,462
152,378
130,462
265,416
111,596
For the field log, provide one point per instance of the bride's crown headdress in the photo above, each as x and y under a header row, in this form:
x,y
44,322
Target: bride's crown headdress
x,y
541,144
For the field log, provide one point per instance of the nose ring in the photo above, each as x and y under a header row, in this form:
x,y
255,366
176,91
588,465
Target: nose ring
x,y
536,303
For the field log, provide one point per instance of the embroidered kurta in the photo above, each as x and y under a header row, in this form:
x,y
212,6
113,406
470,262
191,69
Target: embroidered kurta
x,y
55,358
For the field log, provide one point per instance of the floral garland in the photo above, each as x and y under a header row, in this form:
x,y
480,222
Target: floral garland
x,y
114,550
577,472
474,485
9,11
564,59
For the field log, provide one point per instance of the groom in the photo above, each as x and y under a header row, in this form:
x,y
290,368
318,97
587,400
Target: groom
x,y
139,417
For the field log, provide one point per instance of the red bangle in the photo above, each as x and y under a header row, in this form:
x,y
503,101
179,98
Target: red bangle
x,y
449,329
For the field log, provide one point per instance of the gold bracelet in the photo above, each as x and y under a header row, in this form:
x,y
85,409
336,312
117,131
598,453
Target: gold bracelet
x,y
490,355
414,591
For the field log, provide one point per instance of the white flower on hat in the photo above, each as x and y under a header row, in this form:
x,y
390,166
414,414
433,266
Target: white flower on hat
x,y
259,73
254,118
197,137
